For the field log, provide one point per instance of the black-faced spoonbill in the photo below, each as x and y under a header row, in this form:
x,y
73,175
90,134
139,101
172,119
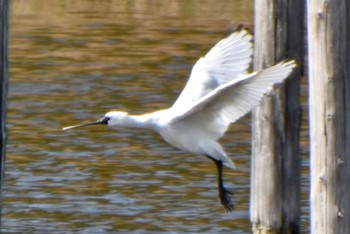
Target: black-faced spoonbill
x,y
218,92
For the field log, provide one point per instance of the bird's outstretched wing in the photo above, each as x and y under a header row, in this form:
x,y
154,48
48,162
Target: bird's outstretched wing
x,y
226,61
224,105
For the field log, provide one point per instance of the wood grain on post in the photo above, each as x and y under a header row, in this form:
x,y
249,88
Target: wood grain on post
x,y
3,83
275,177
329,88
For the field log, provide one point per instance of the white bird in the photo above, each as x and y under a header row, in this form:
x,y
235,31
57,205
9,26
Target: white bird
x,y
218,92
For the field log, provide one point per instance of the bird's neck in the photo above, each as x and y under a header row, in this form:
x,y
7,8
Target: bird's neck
x,y
138,121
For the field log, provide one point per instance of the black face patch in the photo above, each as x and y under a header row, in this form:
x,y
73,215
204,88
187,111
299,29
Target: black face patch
x,y
105,120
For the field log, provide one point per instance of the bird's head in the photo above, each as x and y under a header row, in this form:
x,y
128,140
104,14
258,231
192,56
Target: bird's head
x,y
112,118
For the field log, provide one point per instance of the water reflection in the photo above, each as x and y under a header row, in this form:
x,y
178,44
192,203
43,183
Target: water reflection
x,y
75,60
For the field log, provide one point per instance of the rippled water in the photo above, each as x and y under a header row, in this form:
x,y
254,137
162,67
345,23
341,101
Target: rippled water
x,y
72,61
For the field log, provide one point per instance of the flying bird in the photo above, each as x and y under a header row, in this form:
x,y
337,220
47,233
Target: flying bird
x,y
218,92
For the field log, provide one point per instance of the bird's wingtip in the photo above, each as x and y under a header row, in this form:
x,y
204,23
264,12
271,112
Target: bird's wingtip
x,y
290,63
240,29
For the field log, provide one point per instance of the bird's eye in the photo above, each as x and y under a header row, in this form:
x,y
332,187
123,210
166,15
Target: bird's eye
x,y
105,120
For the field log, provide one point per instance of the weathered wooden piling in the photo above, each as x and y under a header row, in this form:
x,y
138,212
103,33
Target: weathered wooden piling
x,y
329,88
275,176
3,83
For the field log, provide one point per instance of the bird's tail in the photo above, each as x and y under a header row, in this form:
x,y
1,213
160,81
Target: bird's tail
x,y
228,162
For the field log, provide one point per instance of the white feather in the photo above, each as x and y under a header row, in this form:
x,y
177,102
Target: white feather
x,y
226,61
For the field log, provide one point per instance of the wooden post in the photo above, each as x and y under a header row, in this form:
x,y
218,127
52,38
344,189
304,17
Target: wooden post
x,y
275,176
3,84
329,88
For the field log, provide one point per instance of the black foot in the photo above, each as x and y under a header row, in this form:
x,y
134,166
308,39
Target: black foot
x,y
224,194
225,199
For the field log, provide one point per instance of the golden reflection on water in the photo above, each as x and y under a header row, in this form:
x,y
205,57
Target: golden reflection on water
x,y
71,61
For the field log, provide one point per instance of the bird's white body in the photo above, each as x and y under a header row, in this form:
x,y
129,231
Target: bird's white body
x,y
218,92
188,136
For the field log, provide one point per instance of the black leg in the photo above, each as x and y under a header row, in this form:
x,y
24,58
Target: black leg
x,y
224,194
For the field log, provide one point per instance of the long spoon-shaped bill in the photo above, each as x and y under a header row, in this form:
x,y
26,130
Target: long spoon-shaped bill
x,y
100,121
